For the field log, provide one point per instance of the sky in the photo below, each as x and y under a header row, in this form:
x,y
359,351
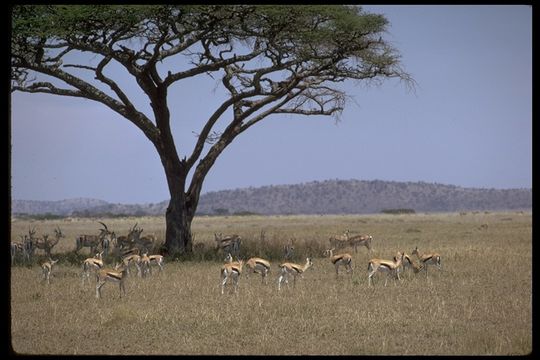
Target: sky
x,y
468,122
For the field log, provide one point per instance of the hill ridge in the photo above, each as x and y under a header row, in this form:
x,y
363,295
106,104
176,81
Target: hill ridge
x,y
315,197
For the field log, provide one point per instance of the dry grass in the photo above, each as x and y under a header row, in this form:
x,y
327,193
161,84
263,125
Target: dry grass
x,y
481,303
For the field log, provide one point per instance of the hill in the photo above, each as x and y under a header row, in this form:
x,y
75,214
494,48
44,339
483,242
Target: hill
x,y
317,197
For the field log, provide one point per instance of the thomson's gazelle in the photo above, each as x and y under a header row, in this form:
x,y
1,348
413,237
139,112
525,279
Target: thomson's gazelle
x,y
409,263
231,270
258,265
289,269
340,259
92,264
46,268
428,259
132,259
390,267
118,275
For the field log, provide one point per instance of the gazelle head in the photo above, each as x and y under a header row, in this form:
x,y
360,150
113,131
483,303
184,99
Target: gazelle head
x,y
58,232
228,258
415,251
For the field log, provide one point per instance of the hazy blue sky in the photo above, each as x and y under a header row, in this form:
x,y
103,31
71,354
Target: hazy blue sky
x,y
469,122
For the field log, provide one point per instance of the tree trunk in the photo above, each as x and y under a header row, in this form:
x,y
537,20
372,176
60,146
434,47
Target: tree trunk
x,y
180,211
178,226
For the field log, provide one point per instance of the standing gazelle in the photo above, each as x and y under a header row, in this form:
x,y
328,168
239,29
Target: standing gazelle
x,y
155,260
339,241
428,259
92,264
118,275
134,259
231,270
294,270
260,266
339,259
360,240
46,269
390,267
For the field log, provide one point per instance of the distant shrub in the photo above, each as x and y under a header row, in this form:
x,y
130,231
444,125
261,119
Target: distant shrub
x,y
398,211
221,211
245,213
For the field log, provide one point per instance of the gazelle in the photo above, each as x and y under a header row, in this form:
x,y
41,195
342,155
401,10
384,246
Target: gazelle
x,y
118,275
340,259
288,251
294,270
145,264
409,263
107,238
124,241
17,248
230,243
360,240
28,248
339,241
260,266
146,242
428,259
46,269
43,243
155,260
92,264
390,267
134,259
91,241
231,270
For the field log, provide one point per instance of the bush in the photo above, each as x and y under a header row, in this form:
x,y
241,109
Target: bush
x,y
398,211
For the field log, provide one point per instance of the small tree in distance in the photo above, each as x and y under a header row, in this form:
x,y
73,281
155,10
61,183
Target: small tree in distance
x,y
270,60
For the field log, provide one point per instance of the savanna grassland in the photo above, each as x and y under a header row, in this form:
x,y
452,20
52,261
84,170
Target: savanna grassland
x,y
480,303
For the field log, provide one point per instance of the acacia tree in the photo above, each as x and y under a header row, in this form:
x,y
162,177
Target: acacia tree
x,y
270,60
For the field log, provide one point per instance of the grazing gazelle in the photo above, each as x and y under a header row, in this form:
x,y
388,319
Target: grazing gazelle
x,y
46,269
92,264
409,263
231,270
390,267
260,266
118,275
294,270
339,259
428,259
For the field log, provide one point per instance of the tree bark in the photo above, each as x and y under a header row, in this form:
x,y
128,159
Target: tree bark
x,y
178,224
180,212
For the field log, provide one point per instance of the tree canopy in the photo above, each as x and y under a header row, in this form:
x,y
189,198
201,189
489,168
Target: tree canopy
x,y
270,60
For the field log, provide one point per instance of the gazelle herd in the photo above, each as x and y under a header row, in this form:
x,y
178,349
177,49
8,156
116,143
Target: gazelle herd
x,y
132,250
